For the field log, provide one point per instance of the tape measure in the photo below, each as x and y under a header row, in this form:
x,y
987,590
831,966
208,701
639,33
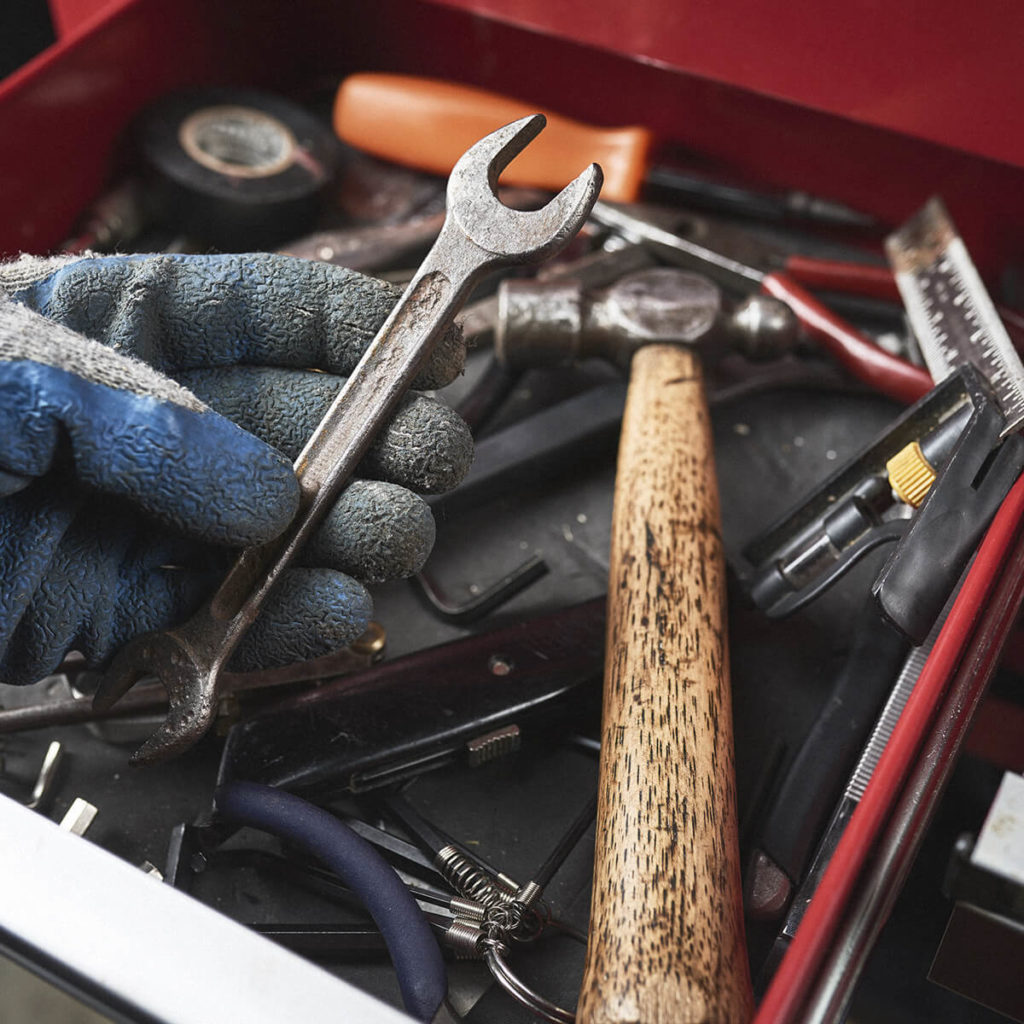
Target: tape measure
x,y
950,311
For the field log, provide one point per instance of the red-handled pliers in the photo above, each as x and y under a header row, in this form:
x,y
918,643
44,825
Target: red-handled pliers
x,y
740,261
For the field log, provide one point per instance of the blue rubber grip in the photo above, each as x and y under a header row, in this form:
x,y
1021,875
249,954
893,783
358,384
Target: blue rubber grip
x,y
414,951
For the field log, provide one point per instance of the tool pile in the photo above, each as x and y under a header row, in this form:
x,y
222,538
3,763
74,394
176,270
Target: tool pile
x,y
718,466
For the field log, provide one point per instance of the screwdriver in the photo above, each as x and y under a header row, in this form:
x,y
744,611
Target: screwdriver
x,y
428,124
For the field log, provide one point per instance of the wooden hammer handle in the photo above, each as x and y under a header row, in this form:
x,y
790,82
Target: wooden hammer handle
x,y
666,931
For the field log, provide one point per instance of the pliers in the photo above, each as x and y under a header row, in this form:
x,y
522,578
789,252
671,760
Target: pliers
x,y
743,262
422,976
488,909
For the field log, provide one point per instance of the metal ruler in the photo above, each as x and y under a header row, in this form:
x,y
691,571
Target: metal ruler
x,y
950,311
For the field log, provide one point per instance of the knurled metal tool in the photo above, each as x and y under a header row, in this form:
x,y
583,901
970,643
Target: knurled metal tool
x,y
479,235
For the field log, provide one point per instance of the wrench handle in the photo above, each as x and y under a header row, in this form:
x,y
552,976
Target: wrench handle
x,y
330,456
666,933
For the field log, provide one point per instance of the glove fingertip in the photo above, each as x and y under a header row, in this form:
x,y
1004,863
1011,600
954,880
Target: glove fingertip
x,y
309,613
196,471
426,447
446,362
376,532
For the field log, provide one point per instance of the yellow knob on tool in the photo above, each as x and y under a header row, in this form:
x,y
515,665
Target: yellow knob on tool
x,y
429,124
910,474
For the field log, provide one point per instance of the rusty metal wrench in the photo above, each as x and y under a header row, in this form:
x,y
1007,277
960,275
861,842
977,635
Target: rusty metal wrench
x,y
479,234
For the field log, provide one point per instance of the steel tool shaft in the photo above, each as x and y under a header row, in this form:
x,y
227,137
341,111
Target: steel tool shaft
x,y
479,234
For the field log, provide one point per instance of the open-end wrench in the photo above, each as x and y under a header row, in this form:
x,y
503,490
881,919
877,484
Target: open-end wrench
x,y
479,234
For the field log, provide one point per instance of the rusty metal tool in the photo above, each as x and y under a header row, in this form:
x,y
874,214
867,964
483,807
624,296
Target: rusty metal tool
x,y
377,247
479,234
369,248
560,320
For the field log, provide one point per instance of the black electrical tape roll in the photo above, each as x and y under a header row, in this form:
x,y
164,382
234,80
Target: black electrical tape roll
x,y
236,168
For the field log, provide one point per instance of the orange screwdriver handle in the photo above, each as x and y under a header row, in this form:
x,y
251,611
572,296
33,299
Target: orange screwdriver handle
x,y
428,124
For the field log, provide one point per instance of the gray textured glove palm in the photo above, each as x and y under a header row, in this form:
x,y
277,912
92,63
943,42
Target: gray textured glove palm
x,y
123,493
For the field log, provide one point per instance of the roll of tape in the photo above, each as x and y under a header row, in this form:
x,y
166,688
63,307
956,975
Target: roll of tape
x,y
238,169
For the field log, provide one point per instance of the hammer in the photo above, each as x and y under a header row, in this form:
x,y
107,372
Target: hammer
x,y
666,934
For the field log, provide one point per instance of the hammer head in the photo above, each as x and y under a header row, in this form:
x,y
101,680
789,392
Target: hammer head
x,y
555,322
515,236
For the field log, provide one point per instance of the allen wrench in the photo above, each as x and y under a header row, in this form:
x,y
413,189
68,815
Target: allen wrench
x,y
47,777
479,605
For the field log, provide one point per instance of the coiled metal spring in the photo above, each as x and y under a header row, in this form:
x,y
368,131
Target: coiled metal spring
x,y
470,880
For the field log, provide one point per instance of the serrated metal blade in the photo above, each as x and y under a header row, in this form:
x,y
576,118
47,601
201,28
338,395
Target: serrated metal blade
x,y
950,310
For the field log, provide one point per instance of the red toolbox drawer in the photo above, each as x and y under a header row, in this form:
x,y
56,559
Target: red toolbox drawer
x,y
877,106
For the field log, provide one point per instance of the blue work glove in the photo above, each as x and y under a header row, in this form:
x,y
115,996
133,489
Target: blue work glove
x,y
123,494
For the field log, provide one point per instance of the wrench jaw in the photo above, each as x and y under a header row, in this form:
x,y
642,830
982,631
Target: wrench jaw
x,y
497,150
191,691
189,718
515,236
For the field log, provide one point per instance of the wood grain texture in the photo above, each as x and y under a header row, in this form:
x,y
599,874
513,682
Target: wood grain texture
x,y
666,940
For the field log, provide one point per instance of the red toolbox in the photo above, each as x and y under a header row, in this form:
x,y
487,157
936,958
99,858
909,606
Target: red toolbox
x,y
878,106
